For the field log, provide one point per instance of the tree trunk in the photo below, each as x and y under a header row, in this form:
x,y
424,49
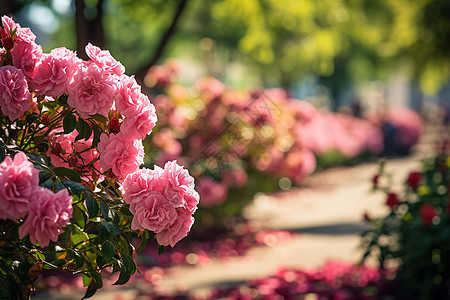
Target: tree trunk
x,y
140,74
88,30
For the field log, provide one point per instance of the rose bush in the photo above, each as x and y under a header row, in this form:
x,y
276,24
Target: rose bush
x,y
72,194
415,236
239,143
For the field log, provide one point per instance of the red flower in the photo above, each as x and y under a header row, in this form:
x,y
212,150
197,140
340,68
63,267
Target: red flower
x,y
375,180
427,212
414,179
392,200
114,125
45,119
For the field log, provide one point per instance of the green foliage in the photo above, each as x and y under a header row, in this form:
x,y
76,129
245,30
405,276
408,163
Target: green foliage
x,y
416,238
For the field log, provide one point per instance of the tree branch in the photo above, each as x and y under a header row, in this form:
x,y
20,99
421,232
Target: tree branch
x,y
140,74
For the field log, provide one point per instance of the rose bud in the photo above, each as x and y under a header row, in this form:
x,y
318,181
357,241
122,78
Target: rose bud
x,y
414,179
56,149
8,43
114,125
45,119
392,200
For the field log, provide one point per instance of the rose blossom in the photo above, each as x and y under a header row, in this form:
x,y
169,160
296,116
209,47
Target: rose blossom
x,y
54,72
119,153
14,94
414,179
140,120
154,213
136,185
18,179
48,213
179,186
392,200
211,192
92,91
178,230
26,56
129,94
104,60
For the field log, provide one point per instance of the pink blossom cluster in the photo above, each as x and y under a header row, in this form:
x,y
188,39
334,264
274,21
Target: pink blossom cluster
x,y
239,131
162,201
97,86
21,196
112,117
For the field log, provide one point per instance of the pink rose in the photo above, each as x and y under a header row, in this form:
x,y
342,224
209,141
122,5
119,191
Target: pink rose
x,y
236,177
48,213
211,192
140,120
8,25
129,94
18,180
61,147
14,94
92,91
178,185
26,56
136,185
104,60
54,72
178,230
87,163
119,153
154,213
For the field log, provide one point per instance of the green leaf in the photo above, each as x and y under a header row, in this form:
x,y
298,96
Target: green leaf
x,y
92,288
31,118
97,133
100,118
143,243
79,260
107,230
92,206
79,216
123,278
74,187
68,173
161,249
86,279
84,130
98,278
106,211
2,154
108,250
128,263
48,184
69,123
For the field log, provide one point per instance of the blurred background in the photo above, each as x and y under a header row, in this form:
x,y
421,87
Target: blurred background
x,y
282,111
341,51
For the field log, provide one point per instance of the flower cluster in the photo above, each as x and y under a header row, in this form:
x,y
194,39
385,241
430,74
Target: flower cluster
x,y
162,201
71,142
251,141
21,196
416,231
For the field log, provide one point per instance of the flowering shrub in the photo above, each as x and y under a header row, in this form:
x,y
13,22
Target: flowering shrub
x,y
239,143
416,233
72,194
